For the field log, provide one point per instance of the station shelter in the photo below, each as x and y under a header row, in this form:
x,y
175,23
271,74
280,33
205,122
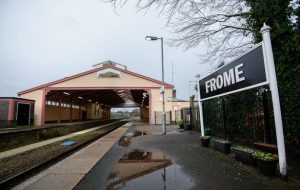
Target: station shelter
x,y
91,95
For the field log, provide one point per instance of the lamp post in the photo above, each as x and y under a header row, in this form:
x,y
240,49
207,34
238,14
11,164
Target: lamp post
x,y
190,86
153,38
200,106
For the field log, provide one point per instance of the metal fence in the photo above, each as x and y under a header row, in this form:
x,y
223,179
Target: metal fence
x,y
187,116
178,115
158,117
246,117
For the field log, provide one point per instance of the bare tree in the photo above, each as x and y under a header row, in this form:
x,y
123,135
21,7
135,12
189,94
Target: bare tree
x,y
217,26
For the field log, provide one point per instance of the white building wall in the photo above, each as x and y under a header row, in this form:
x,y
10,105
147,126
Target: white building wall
x,y
156,102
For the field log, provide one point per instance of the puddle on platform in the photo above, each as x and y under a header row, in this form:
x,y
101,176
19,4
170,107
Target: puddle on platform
x,y
147,170
125,140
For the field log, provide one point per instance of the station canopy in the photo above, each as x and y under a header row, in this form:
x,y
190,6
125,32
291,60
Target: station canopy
x,y
102,85
110,98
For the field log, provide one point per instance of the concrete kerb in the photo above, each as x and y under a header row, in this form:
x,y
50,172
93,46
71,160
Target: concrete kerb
x,y
71,170
46,142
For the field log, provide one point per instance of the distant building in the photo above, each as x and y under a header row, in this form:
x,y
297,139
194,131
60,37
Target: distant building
x,y
16,111
91,95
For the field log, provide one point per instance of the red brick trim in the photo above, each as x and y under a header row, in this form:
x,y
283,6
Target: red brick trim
x,y
43,107
150,105
11,109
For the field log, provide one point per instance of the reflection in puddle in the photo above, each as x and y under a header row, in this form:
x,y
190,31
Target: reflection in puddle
x,y
147,170
136,156
125,140
141,133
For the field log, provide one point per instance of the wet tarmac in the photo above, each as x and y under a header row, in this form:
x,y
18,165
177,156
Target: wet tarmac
x,y
140,169
125,140
173,161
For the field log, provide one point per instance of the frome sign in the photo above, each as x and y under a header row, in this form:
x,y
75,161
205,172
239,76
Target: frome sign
x,y
256,68
246,72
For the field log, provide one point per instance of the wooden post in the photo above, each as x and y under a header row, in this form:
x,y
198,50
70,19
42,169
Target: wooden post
x,y
79,110
71,111
224,118
59,108
200,107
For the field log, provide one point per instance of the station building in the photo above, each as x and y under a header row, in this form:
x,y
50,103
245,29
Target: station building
x,y
16,111
91,95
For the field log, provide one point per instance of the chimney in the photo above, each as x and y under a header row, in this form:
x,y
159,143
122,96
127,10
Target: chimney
x,y
174,93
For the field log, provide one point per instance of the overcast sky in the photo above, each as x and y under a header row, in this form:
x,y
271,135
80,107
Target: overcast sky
x,y
45,40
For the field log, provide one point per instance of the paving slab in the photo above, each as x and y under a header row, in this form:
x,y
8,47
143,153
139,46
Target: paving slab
x,y
55,181
67,173
74,166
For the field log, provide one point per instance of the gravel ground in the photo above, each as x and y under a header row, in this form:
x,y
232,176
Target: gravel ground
x,y
13,165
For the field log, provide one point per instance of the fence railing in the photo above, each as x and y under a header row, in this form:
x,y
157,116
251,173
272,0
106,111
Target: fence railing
x,y
158,117
246,117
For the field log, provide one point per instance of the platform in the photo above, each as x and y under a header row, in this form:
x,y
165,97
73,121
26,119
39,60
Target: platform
x,y
172,161
67,173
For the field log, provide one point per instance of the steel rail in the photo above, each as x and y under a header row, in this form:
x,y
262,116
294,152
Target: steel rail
x,y
20,177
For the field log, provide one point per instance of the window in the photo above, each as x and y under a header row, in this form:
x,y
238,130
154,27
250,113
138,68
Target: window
x,y
108,73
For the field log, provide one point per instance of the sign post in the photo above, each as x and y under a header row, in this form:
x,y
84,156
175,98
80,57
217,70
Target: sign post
x,y
265,30
253,69
200,107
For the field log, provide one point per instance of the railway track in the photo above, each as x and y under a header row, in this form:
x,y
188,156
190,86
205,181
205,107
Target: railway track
x,y
20,177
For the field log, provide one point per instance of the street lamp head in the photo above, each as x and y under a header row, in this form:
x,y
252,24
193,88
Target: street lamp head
x,y
197,76
151,38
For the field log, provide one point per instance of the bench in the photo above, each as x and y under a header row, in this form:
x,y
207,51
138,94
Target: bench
x,y
272,148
